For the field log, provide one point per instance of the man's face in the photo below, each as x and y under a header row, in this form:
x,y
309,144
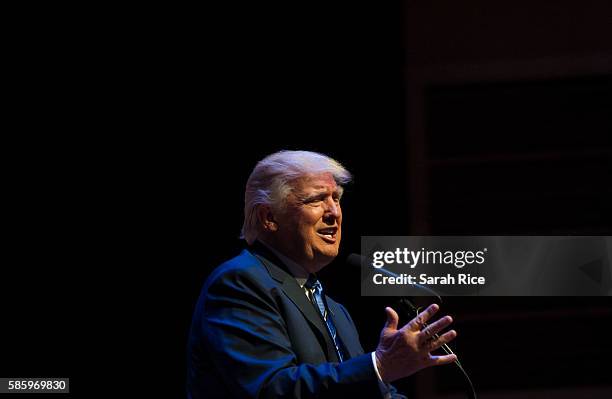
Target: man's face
x,y
309,229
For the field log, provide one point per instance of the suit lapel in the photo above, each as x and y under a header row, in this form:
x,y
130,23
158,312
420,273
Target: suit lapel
x,y
297,295
344,329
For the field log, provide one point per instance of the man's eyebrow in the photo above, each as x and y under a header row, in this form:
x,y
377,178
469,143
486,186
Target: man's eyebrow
x,y
320,194
307,197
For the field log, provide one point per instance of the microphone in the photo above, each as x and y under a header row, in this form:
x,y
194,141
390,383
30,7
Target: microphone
x,y
357,260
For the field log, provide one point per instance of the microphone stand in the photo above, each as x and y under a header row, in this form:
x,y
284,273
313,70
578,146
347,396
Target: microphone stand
x,y
406,303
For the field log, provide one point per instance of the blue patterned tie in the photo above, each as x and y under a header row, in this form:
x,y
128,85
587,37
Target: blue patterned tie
x,y
317,293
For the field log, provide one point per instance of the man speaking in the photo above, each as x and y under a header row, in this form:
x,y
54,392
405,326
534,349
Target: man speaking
x,y
263,326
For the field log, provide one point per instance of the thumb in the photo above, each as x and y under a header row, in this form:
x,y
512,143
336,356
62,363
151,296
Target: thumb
x,y
392,318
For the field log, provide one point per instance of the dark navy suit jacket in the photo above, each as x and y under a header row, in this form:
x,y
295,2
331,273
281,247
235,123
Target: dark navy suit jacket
x,y
255,334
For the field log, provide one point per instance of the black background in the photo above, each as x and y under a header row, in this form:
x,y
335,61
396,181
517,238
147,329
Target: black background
x,y
130,133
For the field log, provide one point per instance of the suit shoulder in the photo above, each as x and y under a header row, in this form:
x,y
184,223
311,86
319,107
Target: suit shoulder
x,y
244,267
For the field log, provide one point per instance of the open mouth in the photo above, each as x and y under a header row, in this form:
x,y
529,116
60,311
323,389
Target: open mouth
x,y
328,234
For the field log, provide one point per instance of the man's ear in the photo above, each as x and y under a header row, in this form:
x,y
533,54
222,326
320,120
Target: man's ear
x,y
266,218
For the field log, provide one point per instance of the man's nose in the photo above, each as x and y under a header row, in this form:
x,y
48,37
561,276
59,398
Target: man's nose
x,y
332,208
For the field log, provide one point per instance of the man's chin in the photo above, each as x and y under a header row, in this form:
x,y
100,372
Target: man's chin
x,y
326,255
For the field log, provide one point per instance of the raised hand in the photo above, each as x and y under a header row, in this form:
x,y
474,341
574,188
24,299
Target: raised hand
x,y
403,352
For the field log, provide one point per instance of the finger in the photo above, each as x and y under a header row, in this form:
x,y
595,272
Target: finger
x,y
441,360
392,318
431,330
444,339
418,322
